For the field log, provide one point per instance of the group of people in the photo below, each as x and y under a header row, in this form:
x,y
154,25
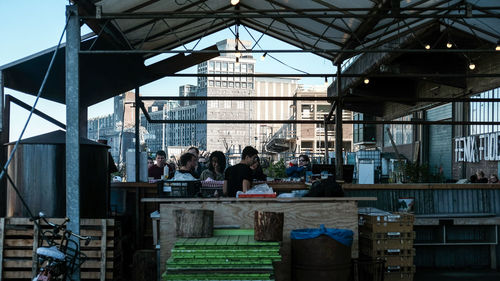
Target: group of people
x,y
479,177
236,178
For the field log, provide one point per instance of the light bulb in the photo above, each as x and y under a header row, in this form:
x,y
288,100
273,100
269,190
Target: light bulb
x,y
263,57
237,63
497,48
427,46
237,54
235,2
366,81
326,81
449,45
472,66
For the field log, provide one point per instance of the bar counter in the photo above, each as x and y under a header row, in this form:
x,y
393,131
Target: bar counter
x,y
298,213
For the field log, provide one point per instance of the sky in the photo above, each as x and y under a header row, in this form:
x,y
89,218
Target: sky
x,y
30,26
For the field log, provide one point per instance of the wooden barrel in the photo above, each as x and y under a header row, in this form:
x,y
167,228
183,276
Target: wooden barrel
x,y
320,258
194,223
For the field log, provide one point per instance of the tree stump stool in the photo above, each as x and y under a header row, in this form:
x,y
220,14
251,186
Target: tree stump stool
x,y
268,226
194,223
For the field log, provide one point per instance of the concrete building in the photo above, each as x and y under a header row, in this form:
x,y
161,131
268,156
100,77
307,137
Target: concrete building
x,y
157,135
117,128
210,137
294,139
272,110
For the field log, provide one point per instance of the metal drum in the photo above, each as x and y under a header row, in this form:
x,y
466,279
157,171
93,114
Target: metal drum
x,y
38,170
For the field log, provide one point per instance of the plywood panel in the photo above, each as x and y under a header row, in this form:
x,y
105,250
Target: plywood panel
x,y
335,214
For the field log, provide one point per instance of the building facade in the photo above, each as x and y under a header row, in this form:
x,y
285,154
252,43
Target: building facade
x,y
117,128
293,139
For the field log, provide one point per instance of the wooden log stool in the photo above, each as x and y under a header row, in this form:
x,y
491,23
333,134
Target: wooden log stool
x,y
194,223
268,226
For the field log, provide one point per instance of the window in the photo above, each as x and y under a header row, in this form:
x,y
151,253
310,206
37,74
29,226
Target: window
x,y
211,83
401,134
307,144
230,67
243,67
243,85
211,65
250,85
217,65
217,83
224,84
323,108
307,111
224,66
227,104
485,112
250,68
231,84
237,84
240,104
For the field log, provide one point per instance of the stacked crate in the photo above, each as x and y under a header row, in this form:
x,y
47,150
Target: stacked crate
x,y
388,237
231,254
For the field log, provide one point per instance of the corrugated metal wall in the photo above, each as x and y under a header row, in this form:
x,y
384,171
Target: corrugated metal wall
x,y
441,201
434,201
440,140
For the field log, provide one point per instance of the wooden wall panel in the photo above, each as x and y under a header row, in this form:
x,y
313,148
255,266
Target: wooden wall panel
x,y
337,214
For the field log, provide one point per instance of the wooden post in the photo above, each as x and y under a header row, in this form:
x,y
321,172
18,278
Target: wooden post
x,y
34,256
104,243
2,235
268,226
194,223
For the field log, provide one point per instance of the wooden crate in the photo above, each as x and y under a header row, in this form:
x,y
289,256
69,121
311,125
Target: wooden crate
x,y
19,240
393,222
371,244
400,274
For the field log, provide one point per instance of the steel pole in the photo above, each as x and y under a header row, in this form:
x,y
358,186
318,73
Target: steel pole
x,y
72,126
5,139
338,127
138,231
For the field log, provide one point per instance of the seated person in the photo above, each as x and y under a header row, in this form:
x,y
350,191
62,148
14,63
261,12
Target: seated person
x,y
239,177
257,173
197,168
481,178
156,170
150,162
299,171
216,167
493,179
185,172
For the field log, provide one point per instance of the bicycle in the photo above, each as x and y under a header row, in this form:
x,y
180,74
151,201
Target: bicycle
x,y
57,261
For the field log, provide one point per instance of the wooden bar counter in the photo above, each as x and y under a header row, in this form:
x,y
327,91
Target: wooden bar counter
x,y
298,213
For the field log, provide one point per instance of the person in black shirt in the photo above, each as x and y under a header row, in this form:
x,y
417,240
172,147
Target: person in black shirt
x,y
257,172
239,177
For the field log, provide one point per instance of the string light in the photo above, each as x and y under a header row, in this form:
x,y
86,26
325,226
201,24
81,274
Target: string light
x,y
497,48
366,81
427,46
449,45
263,57
472,66
235,2
237,63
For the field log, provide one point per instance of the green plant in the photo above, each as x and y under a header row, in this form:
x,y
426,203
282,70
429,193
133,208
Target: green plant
x,y
419,173
276,170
